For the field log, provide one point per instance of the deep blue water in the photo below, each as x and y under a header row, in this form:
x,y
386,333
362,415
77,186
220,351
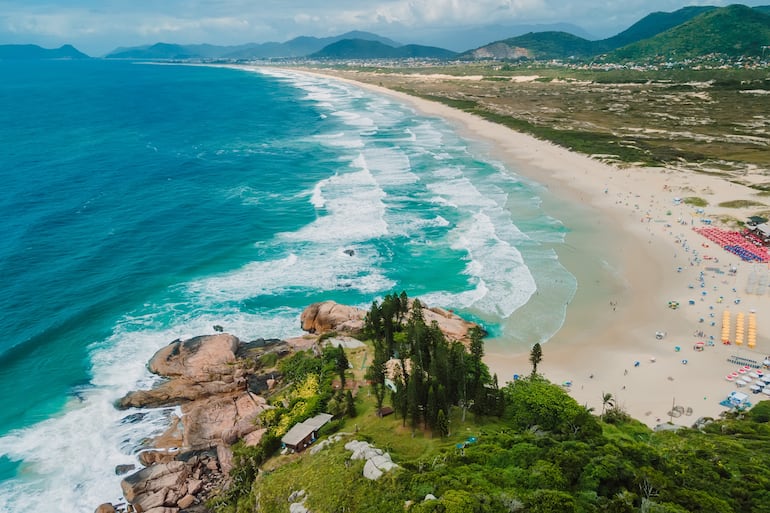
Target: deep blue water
x,y
143,203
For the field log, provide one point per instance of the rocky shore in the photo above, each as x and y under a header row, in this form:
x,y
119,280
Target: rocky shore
x,y
221,385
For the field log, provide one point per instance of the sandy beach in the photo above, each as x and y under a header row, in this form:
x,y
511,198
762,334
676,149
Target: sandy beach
x,y
633,248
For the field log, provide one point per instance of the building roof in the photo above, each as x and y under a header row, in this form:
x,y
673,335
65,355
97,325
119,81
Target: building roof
x,y
303,430
297,434
319,420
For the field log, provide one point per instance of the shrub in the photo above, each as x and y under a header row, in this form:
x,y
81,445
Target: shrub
x,y
760,412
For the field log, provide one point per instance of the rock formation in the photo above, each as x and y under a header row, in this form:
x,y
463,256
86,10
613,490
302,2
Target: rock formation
x,y
377,461
327,316
319,318
216,382
169,487
209,378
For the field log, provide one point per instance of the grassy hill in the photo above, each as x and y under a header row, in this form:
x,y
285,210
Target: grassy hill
x,y
537,45
688,32
572,461
653,24
731,31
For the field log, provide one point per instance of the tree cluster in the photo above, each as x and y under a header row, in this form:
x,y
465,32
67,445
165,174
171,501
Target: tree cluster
x,y
425,373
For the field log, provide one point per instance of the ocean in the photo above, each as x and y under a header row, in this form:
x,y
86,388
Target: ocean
x,y
143,203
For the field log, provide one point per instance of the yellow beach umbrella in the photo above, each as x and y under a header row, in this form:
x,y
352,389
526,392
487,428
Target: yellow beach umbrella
x,y
752,330
739,329
726,327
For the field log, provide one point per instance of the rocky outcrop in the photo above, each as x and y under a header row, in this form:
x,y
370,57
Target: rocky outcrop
x,y
211,384
319,318
222,419
198,357
198,367
377,461
297,500
171,486
451,325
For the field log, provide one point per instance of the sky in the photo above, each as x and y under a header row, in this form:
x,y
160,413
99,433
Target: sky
x,y
98,26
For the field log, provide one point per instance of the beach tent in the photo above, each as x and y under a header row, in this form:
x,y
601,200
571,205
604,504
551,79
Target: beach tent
x,y
737,398
763,230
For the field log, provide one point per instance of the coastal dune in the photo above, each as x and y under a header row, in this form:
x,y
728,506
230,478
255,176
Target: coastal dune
x,y
634,251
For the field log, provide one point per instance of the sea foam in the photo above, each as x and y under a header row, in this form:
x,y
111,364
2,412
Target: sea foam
x,y
399,202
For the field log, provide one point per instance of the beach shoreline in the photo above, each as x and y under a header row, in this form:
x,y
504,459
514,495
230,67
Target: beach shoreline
x,y
633,250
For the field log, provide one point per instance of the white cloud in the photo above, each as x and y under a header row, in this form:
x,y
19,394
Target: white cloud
x,y
170,25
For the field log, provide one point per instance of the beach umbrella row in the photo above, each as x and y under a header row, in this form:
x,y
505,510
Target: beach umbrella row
x,y
739,329
741,333
726,327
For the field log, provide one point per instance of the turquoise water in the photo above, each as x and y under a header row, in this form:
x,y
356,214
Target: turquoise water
x,y
145,203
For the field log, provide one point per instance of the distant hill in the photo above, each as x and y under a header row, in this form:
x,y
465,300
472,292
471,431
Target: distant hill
x,y
711,30
32,52
297,47
156,51
537,45
653,24
733,31
363,49
460,39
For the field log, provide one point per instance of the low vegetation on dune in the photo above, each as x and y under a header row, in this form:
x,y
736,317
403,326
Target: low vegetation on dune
x,y
741,204
711,121
525,447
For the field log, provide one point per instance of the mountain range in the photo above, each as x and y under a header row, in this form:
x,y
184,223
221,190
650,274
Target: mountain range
x,y
736,30
33,52
298,47
689,32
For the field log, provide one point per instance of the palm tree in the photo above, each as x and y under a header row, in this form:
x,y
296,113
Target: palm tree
x,y
535,356
607,402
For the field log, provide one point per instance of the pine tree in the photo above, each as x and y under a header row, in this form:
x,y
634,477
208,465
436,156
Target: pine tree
x,y
350,404
399,397
341,364
442,424
475,364
376,373
431,409
413,400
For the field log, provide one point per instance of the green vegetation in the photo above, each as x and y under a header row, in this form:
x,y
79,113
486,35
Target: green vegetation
x,y
546,454
695,201
707,120
555,45
530,448
731,31
741,204
427,374
691,32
